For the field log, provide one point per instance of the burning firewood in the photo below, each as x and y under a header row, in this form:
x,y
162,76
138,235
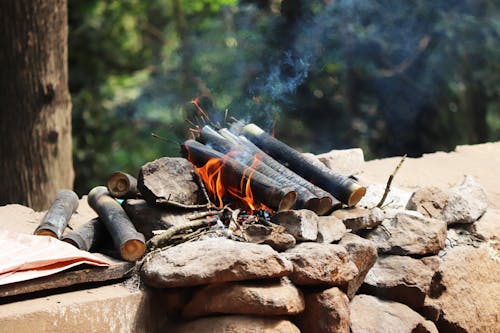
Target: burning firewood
x,y
88,235
236,178
343,188
122,185
57,217
305,199
127,240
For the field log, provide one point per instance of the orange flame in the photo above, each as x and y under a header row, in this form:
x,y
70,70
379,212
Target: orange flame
x,y
212,175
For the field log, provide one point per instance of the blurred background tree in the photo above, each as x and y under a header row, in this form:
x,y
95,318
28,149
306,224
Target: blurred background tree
x,y
390,77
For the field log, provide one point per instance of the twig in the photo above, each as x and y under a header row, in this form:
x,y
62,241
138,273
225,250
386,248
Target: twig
x,y
161,239
181,205
197,216
389,181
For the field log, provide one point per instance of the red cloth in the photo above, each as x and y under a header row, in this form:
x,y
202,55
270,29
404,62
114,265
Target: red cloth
x,y
24,257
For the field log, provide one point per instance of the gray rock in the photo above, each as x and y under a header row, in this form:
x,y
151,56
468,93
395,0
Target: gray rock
x,y
260,234
212,261
396,199
326,311
246,298
344,161
372,315
301,224
466,203
409,234
363,253
358,218
320,264
401,279
237,324
330,229
429,201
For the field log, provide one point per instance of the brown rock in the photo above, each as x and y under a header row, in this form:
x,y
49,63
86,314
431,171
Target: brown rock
x,y
409,233
212,261
372,315
320,264
486,228
261,234
401,279
330,229
246,298
363,253
360,218
429,201
326,312
301,224
237,324
468,291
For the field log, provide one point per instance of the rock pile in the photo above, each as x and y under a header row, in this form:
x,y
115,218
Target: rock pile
x,y
426,263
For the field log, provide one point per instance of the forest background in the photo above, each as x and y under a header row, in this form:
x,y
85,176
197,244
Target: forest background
x,y
391,77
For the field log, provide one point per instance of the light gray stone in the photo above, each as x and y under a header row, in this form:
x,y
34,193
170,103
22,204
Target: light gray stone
x,y
330,229
466,203
301,224
358,218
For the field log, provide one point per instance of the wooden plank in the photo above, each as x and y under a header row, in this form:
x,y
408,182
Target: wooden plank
x,y
118,270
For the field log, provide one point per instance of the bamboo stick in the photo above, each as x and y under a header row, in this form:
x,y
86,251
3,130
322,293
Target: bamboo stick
x,y
57,217
122,185
88,236
126,239
343,188
235,173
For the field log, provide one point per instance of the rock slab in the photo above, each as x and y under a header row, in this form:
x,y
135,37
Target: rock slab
x,y
246,298
301,224
320,264
213,260
358,218
330,229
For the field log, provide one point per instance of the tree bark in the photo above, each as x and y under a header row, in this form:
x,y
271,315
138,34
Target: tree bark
x,y
35,105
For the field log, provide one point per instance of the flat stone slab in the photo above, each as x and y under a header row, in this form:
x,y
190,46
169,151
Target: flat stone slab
x,y
266,298
358,218
330,229
320,264
212,261
237,324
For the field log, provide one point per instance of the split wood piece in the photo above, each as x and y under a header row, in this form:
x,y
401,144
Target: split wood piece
x,y
127,240
88,236
327,202
162,239
122,185
171,181
343,188
57,217
210,137
234,173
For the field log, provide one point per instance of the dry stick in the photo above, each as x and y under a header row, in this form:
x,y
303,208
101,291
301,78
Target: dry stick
x,y
234,173
160,240
305,199
327,202
88,235
127,240
389,182
122,185
57,217
343,188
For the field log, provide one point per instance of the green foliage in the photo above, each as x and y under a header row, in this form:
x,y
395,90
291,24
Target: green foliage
x,y
390,77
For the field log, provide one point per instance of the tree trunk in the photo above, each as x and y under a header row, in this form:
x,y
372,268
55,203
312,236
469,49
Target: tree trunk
x,y
35,105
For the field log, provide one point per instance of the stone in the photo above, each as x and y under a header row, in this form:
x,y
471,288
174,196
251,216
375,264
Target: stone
x,y
320,264
409,234
344,161
301,224
467,292
326,311
399,278
237,324
246,298
466,202
396,198
261,234
358,218
212,261
330,229
429,201
372,315
363,253
487,228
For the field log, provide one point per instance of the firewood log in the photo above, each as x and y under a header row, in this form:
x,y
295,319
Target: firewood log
x,y
122,185
234,174
343,188
127,240
88,236
57,217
